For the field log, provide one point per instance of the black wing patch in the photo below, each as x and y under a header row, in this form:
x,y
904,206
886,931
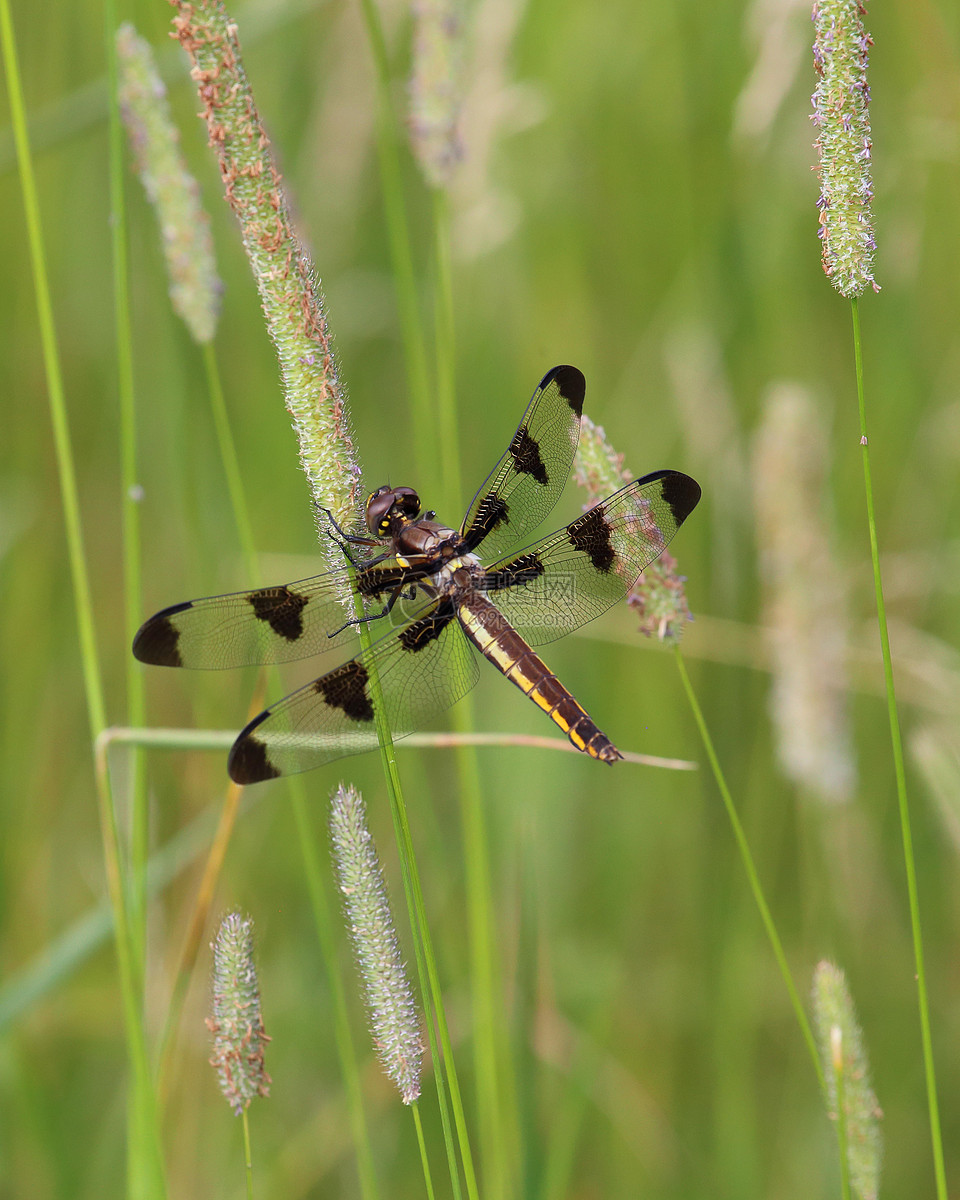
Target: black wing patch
x,y
282,609
526,483
577,573
421,671
593,536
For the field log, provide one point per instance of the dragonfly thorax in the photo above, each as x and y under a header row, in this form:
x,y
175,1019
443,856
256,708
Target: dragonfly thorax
x,y
428,539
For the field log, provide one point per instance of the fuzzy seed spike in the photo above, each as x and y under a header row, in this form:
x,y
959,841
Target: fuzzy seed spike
x,y
236,1023
289,288
847,1071
389,999
658,596
844,146
195,287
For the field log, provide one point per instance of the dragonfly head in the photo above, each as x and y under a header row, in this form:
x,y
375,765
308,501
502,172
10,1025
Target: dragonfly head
x,y
390,508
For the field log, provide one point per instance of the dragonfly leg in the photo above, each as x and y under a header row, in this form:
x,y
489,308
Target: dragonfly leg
x,y
395,596
346,540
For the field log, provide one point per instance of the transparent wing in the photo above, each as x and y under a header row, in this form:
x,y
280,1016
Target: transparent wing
x,y
526,483
577,573
421,670
268,625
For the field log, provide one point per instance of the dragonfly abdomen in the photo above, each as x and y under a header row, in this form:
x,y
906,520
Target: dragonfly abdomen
x,y
505,648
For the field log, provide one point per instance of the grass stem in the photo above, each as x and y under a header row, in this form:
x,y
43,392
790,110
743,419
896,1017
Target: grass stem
x,y
428,441
146,1163
429,979
247,1157
129,496
896,741
751,871
424,1159
496,1110
413,339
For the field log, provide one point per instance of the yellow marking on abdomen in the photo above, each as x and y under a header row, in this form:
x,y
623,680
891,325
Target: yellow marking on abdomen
x,y
502,657
520,678
542,702
532,676
476,628
576,739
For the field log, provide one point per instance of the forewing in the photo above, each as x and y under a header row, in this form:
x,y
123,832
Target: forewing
x,y
526,483
422,670
577,573
268,625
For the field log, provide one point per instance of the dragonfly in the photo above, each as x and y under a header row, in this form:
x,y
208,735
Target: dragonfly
x,y
444,609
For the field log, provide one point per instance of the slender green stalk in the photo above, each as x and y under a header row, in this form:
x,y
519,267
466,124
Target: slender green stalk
x,y
427,442
425,438
96,711
429,980
901,781
444,1064
845,149
146,1168
129,499
748,865
424,1160
137,92
247,1157
222,739
496,1111
445,341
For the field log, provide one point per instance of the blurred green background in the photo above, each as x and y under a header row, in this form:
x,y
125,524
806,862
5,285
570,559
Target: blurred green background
x,y
637,199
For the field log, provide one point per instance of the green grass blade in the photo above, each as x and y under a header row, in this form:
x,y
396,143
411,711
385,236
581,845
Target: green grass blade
x,y
146,1166
909,859
749,867
129,497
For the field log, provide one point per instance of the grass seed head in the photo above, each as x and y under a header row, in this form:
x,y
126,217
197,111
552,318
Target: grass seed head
x,y
394,1022
236,1022
658,596
195,287
844,146
844,1059
288,284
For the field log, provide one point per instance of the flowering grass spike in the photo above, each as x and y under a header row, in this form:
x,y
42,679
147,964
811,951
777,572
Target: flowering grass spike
x,y
435,90
289,288
840,113
847,1072
236,1024
387,993
805,599
175,195
658,595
